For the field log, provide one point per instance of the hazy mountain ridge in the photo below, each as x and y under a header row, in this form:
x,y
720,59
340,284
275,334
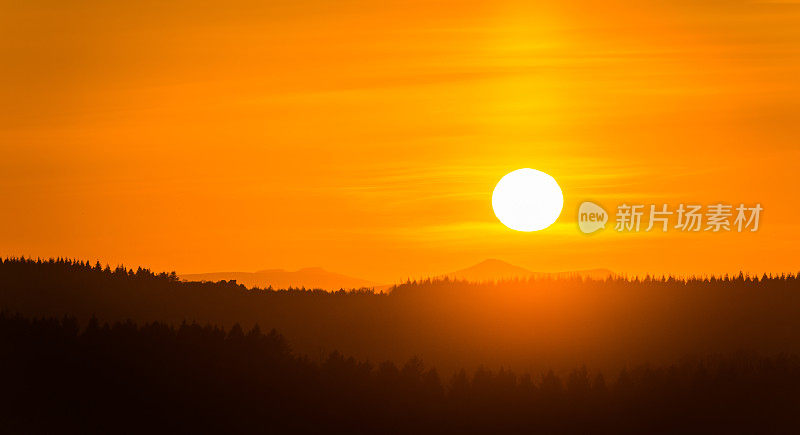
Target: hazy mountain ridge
x,y
316,277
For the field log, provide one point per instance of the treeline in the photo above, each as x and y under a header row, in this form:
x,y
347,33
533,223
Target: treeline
x,y
58,377
29,272
54,270
529,325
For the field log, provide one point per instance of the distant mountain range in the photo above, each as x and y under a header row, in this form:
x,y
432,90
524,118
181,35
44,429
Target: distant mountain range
x,y
316,277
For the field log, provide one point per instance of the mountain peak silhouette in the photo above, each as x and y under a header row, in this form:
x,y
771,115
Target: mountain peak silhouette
x,y
491,269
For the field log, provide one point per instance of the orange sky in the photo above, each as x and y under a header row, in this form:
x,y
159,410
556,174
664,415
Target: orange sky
x,y
366,137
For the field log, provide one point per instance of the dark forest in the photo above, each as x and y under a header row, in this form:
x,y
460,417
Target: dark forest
x,y
86,348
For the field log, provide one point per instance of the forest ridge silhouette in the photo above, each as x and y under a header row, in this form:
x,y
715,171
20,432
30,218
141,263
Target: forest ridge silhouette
x,y
124,377
530,325
88,348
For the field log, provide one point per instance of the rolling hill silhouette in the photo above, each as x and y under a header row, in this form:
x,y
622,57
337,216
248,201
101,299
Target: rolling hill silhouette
x,y
309,277
318,278
497,270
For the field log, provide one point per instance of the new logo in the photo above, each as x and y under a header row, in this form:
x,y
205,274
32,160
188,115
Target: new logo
x,y
591,217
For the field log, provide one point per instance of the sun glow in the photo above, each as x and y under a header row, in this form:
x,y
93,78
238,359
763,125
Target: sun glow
x,y
527,200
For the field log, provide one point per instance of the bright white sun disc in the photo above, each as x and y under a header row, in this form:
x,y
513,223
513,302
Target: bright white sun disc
x,y
527,200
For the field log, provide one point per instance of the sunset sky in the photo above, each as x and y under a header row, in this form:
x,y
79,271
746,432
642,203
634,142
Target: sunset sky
x,y
366,137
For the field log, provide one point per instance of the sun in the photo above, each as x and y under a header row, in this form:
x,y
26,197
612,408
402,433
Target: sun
x,y
527,200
